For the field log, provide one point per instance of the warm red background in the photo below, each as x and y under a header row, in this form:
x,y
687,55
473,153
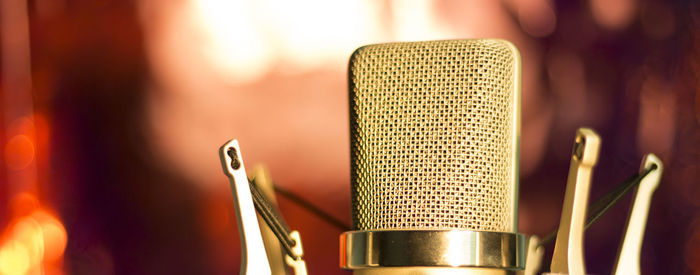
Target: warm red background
x,y
138,103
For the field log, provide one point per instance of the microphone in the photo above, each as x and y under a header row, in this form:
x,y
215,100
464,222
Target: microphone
x,y
435,130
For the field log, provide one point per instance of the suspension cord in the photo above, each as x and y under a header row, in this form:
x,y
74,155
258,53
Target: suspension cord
x,y
601,206
273,219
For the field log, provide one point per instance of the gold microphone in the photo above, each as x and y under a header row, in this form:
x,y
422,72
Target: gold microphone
x,y
435,130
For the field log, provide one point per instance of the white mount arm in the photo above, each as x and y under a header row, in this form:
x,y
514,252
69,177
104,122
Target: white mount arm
x,y
253,256
631,247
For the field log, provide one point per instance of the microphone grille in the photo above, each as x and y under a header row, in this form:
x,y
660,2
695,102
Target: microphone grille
x,y
434,135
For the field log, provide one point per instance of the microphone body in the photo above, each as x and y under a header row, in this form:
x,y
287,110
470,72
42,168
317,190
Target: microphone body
x,y
435,130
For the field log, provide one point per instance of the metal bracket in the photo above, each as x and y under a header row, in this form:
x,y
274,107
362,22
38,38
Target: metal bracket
x,y
297,263
253,257
568,249
628,261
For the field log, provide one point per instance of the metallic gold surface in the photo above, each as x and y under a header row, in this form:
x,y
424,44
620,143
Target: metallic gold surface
x,y
412,270
434,135
432,248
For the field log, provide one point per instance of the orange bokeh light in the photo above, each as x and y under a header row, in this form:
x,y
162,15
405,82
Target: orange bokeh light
x,y
33,241
19,152
23,204
14,258
54,234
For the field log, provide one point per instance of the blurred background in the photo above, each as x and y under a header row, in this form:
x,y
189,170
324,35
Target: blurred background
x,y
113,113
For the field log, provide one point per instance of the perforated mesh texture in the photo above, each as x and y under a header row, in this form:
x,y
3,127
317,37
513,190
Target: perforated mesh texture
x,y
434,135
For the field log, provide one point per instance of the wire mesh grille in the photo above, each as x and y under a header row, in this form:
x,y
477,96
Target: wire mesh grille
x,y
434,135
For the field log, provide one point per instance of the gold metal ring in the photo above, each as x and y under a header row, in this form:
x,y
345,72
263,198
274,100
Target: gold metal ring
x,y
437,248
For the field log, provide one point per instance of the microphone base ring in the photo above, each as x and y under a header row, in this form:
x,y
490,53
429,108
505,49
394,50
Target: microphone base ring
x,y
432,248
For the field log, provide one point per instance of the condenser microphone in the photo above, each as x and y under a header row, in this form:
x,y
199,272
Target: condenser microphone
x,y
435,130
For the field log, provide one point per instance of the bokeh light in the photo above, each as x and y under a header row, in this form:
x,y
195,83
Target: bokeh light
x,y
32,243
113,111
19,152
14,258
613,15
